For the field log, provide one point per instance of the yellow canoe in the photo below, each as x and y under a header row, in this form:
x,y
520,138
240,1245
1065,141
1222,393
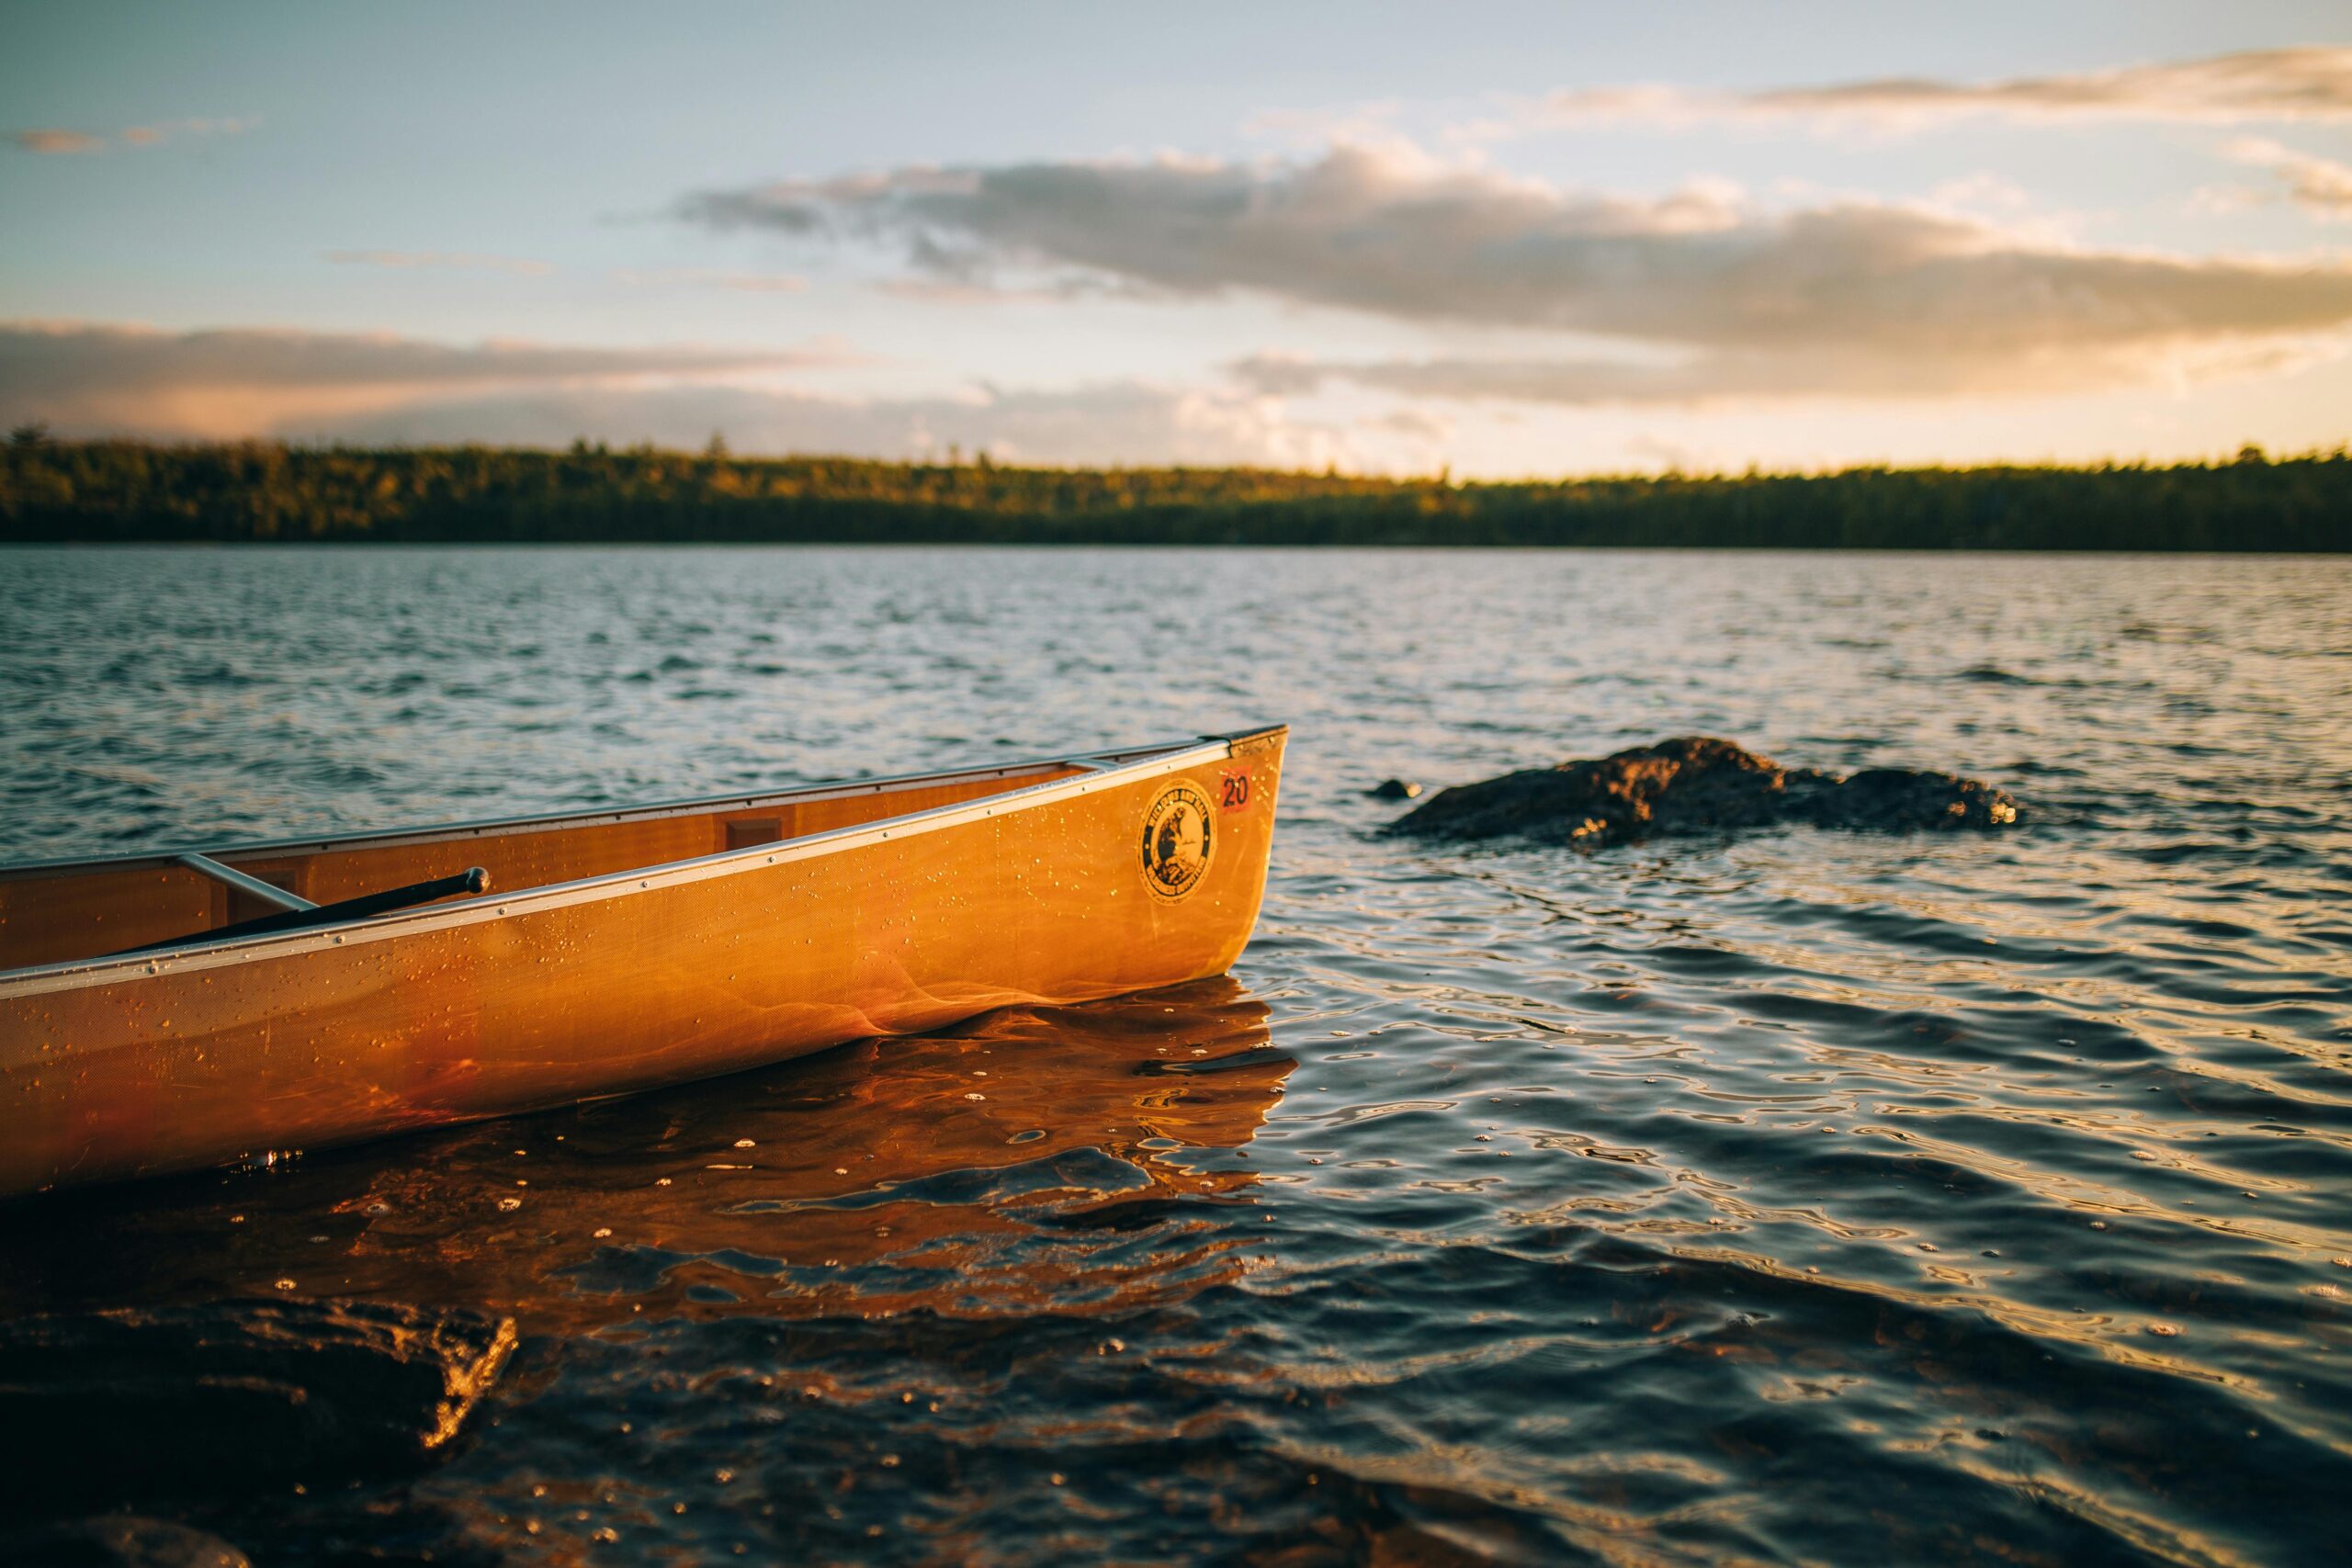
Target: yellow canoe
x,y
172,1012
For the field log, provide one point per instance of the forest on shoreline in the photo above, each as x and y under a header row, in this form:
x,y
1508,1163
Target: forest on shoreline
x,y
101,491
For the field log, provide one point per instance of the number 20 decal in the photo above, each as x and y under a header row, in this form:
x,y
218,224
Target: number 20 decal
x,y
1235,795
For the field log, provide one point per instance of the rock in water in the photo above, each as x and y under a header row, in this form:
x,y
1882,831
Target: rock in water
x,y
1695,784
121,1541
1394,789
131,1403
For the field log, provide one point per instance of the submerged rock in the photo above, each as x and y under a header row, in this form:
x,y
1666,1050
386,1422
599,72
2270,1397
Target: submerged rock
x,y
121,1541
1695,784
134,1402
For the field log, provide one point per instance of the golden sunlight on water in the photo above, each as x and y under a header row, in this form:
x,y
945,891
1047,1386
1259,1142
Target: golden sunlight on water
x,y
1791,1195
888,1177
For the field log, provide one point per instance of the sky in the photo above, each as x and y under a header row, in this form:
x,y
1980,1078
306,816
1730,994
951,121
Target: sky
x,y
1492,239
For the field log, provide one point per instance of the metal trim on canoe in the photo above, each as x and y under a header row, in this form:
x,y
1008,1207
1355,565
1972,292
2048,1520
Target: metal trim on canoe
x,y
1108,770
494,827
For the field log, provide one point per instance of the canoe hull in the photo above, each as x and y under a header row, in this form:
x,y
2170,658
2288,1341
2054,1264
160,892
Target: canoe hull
x,y
1055,894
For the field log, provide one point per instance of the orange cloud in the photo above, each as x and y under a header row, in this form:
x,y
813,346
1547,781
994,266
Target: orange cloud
x,y
705,277
91,377
464,260
2321,186
85,378
59,141
2304,83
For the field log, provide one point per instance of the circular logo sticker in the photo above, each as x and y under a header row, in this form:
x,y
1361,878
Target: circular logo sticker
x,y
1177,841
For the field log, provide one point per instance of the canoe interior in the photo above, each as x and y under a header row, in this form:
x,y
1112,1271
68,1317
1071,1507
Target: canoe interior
x,y
59,912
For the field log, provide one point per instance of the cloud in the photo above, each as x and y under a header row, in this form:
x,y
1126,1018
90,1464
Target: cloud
x,y
705,277
1129,421
1416,424
1752,376
156,135
58,140
958,291
952,291
457,260
84,377
1723,298
2320,185
2307,82
65,142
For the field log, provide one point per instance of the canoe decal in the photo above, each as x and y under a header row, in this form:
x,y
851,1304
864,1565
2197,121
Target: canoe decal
x,y
1177,841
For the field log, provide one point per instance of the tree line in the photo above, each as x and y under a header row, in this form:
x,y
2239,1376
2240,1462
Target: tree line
x,y
90,491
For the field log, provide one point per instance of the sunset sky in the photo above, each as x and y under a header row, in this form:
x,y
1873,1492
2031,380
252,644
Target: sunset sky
x,y
1506,238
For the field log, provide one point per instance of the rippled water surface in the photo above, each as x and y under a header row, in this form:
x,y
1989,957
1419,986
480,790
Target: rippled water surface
x,y
1803,1196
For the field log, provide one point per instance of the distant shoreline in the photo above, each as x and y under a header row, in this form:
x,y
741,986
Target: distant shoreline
x,y
129,493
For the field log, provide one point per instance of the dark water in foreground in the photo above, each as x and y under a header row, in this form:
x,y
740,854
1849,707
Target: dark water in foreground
x,y
1803,1197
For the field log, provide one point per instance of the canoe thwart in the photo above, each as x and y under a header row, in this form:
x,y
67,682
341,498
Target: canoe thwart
x,y
473,879
252,887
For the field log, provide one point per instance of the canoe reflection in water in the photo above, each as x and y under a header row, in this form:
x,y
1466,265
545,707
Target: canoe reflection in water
x,y
1004,1166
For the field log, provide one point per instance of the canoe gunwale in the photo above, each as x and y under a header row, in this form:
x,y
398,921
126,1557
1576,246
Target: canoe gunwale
x,y
1105,770
494,827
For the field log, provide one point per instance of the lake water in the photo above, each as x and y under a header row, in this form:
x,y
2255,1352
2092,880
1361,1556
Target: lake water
x,y
1801,1196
